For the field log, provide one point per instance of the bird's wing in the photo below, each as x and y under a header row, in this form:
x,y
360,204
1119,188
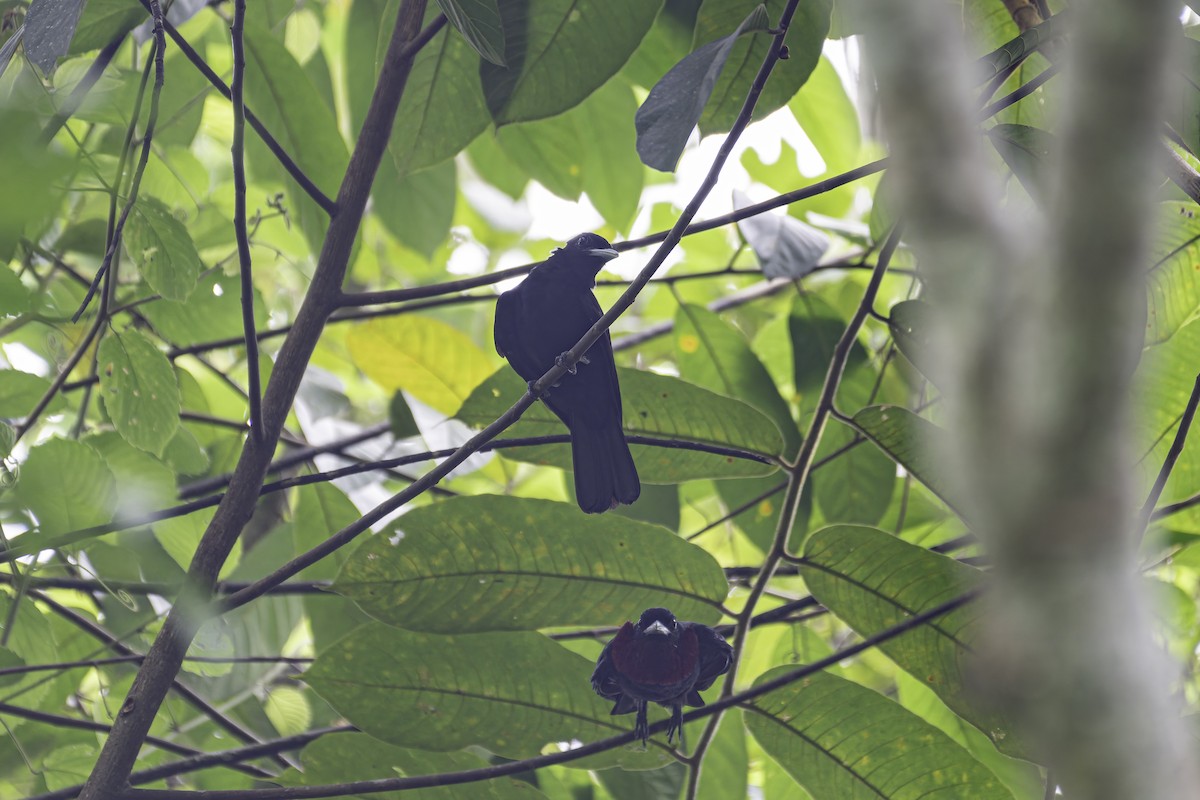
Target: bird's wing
x,y
604,677
600,354
715,655
508,314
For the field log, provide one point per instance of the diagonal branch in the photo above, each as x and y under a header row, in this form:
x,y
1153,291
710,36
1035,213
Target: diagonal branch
x,y
165,656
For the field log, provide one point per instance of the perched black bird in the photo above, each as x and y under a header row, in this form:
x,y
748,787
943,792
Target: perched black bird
x,y
660,660
536,323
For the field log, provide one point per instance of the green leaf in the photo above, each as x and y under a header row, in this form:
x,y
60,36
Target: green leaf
x,y
714,354
673,107
357,756
479,23
1165,378
857,484
547,151
612,173
20,392
67,486
911,326
495,563
144,484
161,247
213,312
829,119
912,442
14,296
400,417
654,784
1026,150
839,739
30,638
139,390
105,20
1173,285
443,109
560,51
286,101
180,537
653,405
416,208
806,36
511,693
496,167
288,710
38,170
873,581
435,362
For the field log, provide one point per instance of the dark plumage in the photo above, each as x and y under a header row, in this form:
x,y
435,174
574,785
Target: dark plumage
x,y
538,321
660,660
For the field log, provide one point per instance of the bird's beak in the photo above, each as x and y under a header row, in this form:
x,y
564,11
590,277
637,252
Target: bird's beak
x,y
606,253
657,627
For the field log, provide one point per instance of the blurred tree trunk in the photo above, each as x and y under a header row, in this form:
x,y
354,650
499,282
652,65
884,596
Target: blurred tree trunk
x,y
1040,320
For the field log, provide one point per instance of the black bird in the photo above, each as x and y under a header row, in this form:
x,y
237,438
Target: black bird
x,y
536,323
660,660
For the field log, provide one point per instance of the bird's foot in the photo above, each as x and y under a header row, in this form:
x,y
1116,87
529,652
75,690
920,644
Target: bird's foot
x,y
641,728
676,727
561,361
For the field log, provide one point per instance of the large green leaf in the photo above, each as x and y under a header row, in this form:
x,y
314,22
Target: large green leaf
x,y
653,405
286,101
714,354
416,208
357,757
1173,285
103,21
490,562
913,443
67,486
139,390
213,312
20,392
806,35
559,51
511,693
434,361
443,108
479,23
839,739
874,581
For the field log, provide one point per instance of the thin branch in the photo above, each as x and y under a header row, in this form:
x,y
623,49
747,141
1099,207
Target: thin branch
x,y
245,266
94,663
60,721
215,759
188,694
75,99
476,281
798,478
281,155
158,50
537,762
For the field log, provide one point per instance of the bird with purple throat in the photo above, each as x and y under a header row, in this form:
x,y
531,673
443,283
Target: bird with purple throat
x,y
660,660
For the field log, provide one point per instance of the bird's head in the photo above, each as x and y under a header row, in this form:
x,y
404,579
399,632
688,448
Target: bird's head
x,y
656,622
590,246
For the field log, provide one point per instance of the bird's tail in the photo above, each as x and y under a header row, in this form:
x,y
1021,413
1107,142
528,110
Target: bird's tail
x,y
605,476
